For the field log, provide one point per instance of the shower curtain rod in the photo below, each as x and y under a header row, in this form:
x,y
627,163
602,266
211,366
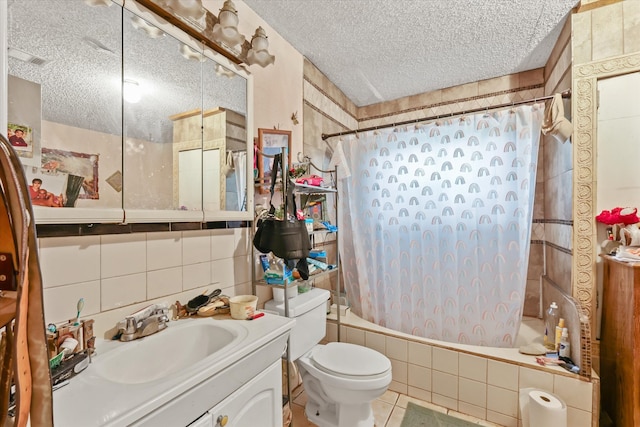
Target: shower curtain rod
x,y
565,94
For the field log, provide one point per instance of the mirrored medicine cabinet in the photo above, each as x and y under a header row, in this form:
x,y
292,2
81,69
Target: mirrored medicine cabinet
x,y
122,117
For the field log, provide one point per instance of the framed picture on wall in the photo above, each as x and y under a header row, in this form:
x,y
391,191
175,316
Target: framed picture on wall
x,y
84,165
270,142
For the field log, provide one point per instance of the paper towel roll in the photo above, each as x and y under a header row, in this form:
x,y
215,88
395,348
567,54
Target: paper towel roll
x,y
542,409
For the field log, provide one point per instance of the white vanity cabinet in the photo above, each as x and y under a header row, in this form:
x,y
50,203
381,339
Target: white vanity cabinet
x,y
248,393
257,403
204,421
197,380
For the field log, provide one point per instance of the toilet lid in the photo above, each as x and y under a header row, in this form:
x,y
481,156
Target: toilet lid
x,y
350,359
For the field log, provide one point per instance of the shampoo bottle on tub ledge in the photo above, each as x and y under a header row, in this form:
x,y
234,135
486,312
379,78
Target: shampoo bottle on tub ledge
x,y
550,322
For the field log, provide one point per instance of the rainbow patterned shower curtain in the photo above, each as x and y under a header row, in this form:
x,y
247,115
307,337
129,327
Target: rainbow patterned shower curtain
x,y
436,222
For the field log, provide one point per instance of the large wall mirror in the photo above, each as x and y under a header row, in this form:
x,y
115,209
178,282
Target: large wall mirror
x,y
124,117
588,139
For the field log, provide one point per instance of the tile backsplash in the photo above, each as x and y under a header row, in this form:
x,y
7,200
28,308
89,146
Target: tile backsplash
x,y
118,274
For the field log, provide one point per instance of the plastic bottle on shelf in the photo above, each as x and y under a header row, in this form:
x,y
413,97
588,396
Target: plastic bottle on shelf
x,y
564,348
550,322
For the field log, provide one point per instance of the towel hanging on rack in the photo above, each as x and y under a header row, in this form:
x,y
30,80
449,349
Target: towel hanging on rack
x,y
555,123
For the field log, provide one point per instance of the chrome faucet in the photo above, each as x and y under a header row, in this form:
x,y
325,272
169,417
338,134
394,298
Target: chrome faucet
x,y
155,322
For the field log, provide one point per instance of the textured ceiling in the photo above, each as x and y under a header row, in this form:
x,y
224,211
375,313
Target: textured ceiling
x,y
376,50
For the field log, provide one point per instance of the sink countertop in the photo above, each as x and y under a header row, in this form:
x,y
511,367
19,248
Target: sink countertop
x,y
92,400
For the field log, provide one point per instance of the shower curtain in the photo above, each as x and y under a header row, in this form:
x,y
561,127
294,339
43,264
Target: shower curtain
x,y
435,224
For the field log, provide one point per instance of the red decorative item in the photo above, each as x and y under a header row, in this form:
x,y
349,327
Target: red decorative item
x,y
624,216
314,180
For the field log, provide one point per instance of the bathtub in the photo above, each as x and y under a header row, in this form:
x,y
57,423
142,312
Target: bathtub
x,y
479,381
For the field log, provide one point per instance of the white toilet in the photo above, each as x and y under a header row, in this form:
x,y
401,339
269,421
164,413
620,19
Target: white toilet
x,y
341,380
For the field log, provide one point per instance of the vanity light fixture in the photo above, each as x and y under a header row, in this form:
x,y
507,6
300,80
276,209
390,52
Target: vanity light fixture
x,y
151,30
226,30
191,10
189,53
220,33
106,3
222,71
258,52
131,91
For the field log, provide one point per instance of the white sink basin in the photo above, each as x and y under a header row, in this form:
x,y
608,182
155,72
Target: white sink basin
x,y
181,346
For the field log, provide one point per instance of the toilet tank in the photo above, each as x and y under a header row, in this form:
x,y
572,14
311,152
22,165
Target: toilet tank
x,y
310,311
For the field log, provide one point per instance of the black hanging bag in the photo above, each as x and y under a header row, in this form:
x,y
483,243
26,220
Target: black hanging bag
x,y
288,238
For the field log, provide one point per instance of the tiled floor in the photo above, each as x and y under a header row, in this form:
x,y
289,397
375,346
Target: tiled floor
x,y
388,410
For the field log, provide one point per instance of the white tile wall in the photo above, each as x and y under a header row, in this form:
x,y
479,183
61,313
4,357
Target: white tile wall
x,y
419,393
577,418
222,271
399,371
501,419
398,387
117,274
66,260
536,379
164,250
164,282
473,392
121,291
473,367
375,341
241,269
355,336
471,384
196,275
574,392
445,360
397,348
332,332
196,246
502,400
223,242
469,409
122,254
419,377
444,384
504,375
420,354
60,302
447,402
242,241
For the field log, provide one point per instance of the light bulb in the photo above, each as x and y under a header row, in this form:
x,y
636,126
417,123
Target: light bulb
x,y
131,91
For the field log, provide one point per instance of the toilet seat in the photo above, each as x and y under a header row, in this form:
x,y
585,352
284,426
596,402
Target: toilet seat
x,y
350,360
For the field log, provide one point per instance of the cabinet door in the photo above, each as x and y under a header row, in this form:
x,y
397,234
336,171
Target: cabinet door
x,y
204,421
257,403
